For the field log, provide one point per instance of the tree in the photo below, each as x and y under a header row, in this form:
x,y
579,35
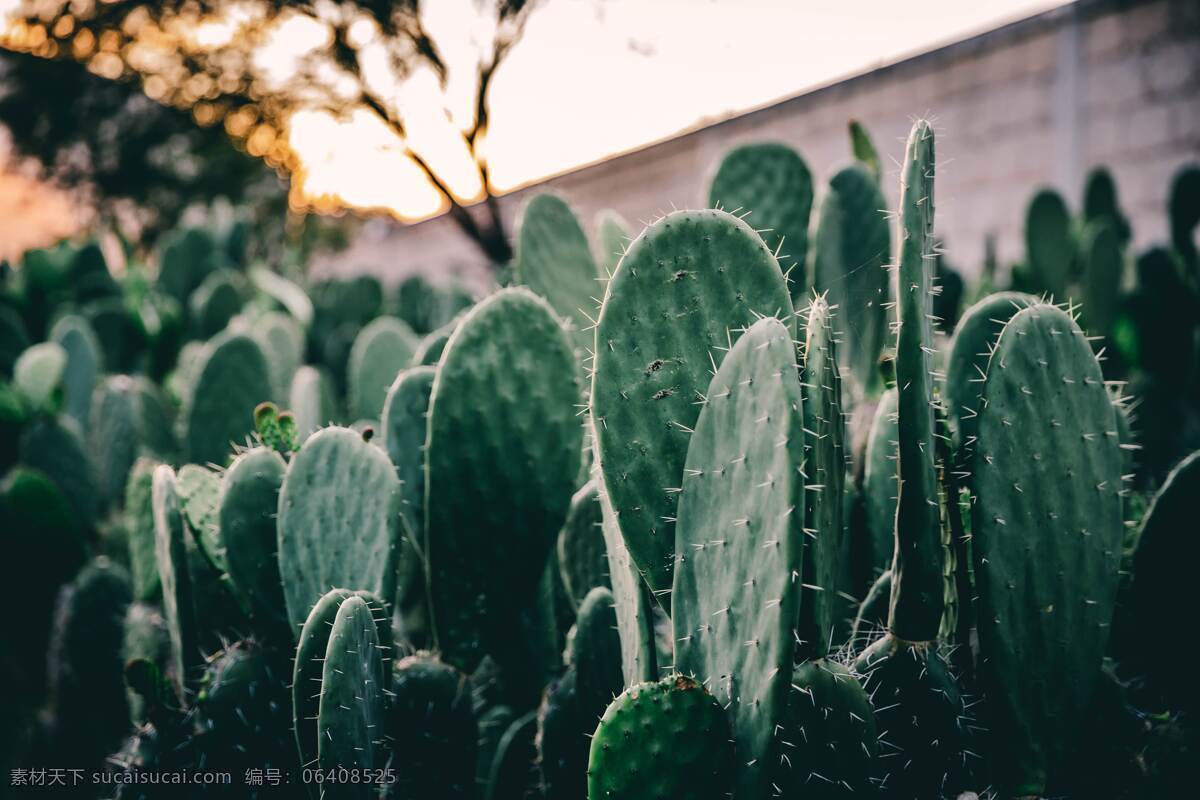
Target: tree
x,y
107,139
367,50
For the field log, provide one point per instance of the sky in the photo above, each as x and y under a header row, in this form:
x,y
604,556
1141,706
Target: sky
x,y
596,77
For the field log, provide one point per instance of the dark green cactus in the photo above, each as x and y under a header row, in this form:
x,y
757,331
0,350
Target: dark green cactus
x,y
852,247
247,504
491,519
432,730
430,348
880,484
55,447
281,339
1100,204
83,367
351,715
682,292
1183,211
665,739
770,186
129,418
139,528
740,541
1047,531
873,613
215,302
381,349
513,775
339,520
632,601
185,260
146,639
308,668
1049,243
554,259
582,557
199,490
230,379
562,739
1103,266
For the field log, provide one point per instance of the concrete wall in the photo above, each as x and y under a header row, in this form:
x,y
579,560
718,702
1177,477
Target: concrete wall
x,y
1038,102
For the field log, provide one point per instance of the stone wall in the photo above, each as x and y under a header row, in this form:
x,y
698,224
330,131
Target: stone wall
x,y
1037,102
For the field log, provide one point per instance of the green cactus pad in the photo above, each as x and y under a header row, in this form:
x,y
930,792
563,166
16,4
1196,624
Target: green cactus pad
x,y
1183,210
241,711
825,468
967,365
199,490
339,520
562,739
432,730
594,649
831,727
84,364
307,669
281,340
740,541
287,294
381,349
612,237
139,526
769,185
631,595
1047,531
1049,247
873,613
129,418
664,739
146,639
351,713
491,517
54,446
1103,266
231,378
186,258
404,427
430,349
248,501
879,483
38,376
852,247
582,557
917,590
215,302
312,401
1100,204
685,288
554,260
513,773
170,553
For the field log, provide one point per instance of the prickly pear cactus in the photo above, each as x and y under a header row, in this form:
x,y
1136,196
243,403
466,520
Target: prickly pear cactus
x,y
170,553
879,483
282,341
339,520
1049,246
55,446
352,708
287,294
513,773
740,540
241,711
84,364
312,401
246,508
199,490
582,558
825,468
684,290
1100,204
307,669
491,518
431,729
430,348
186,258
770,186
970,350
853,244
1183,209
216,301
561,741
404,429
1047,531
1103,266
129,418
38,376
612,237
139,528
231,378
381,349
665,739
555,261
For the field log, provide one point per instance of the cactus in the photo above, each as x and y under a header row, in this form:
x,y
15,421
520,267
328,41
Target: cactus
x,y
1183,211
185,260
38,376
199,489
247,503
821,609
140,531
129,418
554,259
864,149
967,364
83,367
171,555
1100,205
916,699
231,378
665,739
339,521
432,730
879,484
1046,559
491,519
121,338
612,236
1049,246
381,349
740,540
852,246
308,667
1103,266
215,302
13,339
276,430
351,712
281,340
287,294
426,307
430,348
54,446
873,613
145,639
582,557
682,292
770,186
513,773
311,399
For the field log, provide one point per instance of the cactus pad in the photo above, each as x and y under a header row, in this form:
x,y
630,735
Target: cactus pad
x,y
582,558
248,501
381,349
231,378
171,555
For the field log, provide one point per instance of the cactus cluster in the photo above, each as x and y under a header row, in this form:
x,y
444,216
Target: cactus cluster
x,y
735,507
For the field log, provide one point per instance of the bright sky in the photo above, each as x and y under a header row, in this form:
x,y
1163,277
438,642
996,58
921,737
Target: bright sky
x,y
597,77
